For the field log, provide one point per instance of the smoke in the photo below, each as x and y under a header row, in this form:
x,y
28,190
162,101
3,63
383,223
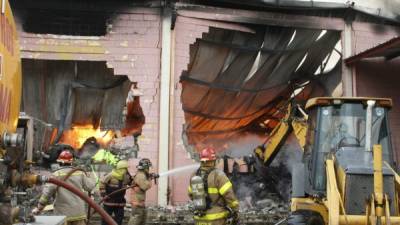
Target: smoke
x,y
282,166
243,146
289,154
267,184
259,185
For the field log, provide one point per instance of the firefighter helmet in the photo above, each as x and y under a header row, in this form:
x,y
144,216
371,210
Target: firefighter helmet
x,y
65,157
144,164
207,154
123,164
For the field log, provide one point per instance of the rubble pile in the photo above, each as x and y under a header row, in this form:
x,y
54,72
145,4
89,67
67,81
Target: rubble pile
x,y
266,211
271,210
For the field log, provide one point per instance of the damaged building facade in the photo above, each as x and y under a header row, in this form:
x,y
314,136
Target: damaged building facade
x,y
189,74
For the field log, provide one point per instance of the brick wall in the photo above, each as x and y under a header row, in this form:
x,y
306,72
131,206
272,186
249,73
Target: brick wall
x,y
379,78
186,32
131,47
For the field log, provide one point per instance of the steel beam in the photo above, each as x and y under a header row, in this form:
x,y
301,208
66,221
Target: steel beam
x,y
258,17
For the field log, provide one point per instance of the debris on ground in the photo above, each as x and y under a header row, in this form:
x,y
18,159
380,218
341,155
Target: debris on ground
x,y
273,214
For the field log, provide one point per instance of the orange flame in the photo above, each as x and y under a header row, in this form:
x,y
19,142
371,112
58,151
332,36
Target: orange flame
x,y
77,135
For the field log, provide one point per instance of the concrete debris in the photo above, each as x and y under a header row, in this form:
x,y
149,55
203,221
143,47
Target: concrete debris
x,y
270,215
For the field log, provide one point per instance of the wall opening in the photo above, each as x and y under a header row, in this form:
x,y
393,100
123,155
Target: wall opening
x,y
81,104
237,89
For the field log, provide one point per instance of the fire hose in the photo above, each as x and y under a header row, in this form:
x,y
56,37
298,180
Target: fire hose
x,y
153,176
108,219
105,197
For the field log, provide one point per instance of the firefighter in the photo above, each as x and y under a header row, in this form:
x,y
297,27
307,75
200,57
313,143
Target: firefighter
x,y
65,202
118,179
211,192
141,183
104,156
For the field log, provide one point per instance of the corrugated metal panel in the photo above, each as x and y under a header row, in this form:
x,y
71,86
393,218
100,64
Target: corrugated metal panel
x,y
236,80
67,93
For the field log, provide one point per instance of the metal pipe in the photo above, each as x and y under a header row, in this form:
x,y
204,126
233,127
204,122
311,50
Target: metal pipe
x,y
305,115
3,6
172,115
165,92
368,126
84,197
347,42
387,11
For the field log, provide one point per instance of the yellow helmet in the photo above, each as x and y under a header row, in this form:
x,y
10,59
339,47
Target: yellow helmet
x,y
123,164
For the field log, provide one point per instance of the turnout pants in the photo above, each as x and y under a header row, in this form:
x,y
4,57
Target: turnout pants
x,y
138,216
117,211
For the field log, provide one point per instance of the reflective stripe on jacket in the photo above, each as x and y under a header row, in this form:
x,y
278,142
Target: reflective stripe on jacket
x,y
104,156
221,195
109,184
65,202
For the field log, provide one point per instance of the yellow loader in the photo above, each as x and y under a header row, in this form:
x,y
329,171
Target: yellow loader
x,y
347,174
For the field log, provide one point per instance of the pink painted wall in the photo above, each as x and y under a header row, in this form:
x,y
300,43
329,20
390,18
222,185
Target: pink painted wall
x,y
132,48
380,78
377,77
368,35
186,32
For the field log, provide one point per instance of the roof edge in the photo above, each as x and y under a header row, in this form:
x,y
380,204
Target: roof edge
x,y
318,101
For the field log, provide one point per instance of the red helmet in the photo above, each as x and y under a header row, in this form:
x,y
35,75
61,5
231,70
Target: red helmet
x,y
207,154
65,157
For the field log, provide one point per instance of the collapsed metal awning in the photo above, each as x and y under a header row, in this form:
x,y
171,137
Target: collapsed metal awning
x,y
237,81
389,50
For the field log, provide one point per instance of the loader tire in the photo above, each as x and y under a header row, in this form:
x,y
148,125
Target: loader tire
x,y
305,218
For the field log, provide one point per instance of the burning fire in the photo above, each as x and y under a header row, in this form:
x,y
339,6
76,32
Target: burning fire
x,y
77,135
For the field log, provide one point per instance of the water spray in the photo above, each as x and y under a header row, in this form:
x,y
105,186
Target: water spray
x,y
179,170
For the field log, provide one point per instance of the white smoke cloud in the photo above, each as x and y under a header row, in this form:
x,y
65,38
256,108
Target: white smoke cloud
x,y
290,153
243,146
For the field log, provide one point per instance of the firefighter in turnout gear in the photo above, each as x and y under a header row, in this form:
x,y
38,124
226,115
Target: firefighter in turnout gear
x,y
141,183
214,202
65,202
118,179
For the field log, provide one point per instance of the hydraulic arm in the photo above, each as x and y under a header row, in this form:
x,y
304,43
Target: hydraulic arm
x,y
289,123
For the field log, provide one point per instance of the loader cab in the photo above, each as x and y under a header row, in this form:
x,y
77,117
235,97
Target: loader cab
x,y
340,125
